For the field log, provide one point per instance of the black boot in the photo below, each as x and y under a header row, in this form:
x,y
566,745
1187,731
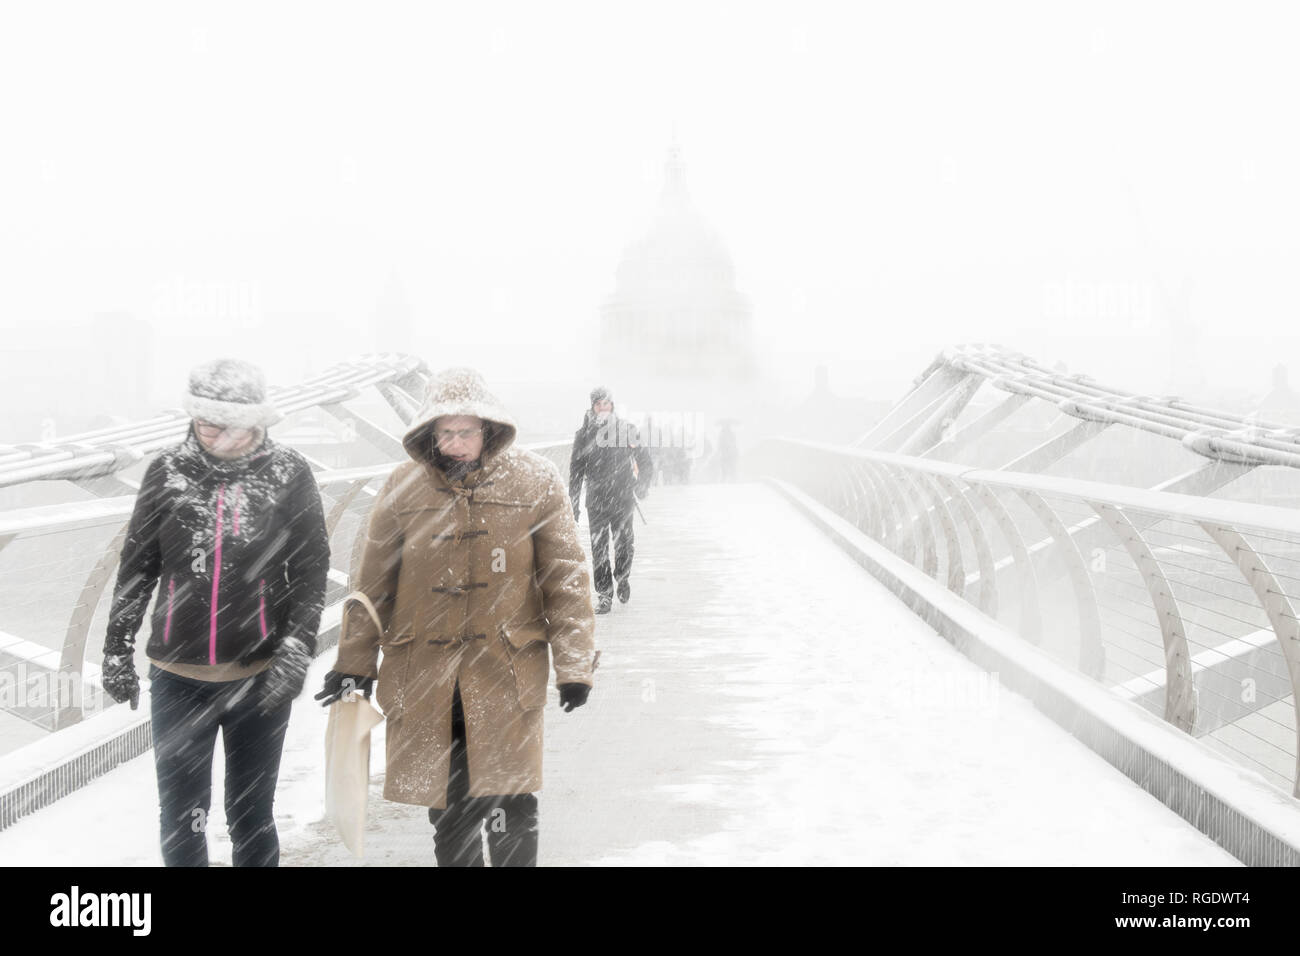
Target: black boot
x,y
624,590
604,604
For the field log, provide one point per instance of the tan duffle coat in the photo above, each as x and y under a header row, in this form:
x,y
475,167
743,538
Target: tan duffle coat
x,y
480,581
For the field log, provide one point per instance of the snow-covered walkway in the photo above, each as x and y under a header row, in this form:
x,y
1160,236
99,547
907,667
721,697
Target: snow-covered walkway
x,y
760,700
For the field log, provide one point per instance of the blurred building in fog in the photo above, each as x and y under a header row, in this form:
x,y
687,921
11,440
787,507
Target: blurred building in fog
x,y
676,332
65,377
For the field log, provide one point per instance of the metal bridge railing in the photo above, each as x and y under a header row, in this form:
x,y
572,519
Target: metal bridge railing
x,y
106,451
1184,605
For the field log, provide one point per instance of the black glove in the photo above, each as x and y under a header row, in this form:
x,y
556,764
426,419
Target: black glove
x,y
283,680
337,684
573,695
119,678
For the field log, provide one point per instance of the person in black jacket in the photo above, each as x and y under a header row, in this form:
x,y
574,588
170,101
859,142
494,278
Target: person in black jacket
x,y
609,457
230,528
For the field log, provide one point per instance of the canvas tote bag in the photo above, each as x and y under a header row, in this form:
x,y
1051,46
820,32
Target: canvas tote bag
x,y
347,759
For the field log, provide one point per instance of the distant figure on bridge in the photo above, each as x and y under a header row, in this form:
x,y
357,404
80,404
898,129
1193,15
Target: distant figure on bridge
x,y
229,525
609,457
471,571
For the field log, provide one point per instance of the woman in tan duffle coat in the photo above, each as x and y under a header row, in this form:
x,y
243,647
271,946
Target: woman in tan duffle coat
x,y
470,578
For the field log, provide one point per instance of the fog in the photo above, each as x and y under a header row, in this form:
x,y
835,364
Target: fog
x,y
754,225
1090,186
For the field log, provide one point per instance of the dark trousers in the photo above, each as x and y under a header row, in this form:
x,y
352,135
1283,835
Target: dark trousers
x,y
604,527
511,819
186,716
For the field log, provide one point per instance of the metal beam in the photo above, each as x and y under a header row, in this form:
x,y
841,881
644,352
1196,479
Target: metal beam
x,y
415,382
1277,605
952,540
988,594
341,505
403,404
901,537
1031,617
107,486
1180,691
1201,481
920,520
1092,654
933,428
940,380
883,529
104,451
1220,673
367,430
1054,449
864,517
959,440
934,410
73,654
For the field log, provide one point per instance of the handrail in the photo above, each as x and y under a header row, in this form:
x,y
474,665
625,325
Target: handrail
x,y
1194,507
108,450
1166,580
74,515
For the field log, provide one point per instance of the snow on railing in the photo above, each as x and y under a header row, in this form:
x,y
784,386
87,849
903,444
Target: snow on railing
x,y
919,421
105,451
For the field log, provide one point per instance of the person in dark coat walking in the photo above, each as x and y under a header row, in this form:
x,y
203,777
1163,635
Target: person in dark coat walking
x,y
609,457
229,526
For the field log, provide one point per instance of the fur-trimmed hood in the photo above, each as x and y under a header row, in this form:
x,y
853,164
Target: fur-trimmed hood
x,y
459,391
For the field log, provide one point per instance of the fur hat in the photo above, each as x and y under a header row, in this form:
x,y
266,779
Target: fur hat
x,y
229,392
600,394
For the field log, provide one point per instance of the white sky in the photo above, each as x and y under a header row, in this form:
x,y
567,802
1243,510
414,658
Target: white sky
x,y
890,179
